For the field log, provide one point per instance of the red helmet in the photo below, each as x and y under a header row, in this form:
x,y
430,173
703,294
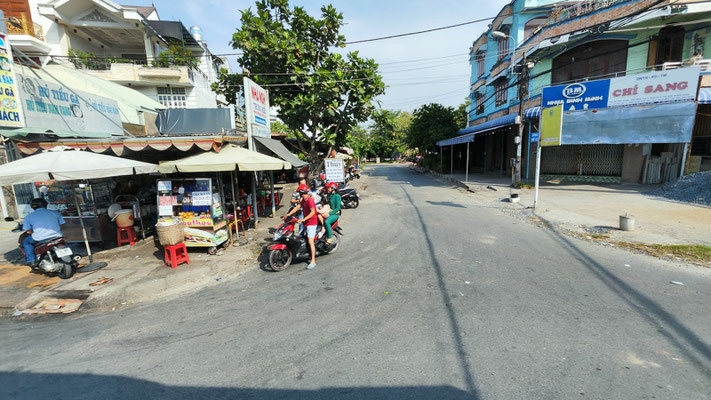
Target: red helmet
x,y
303,189
332,185
322,176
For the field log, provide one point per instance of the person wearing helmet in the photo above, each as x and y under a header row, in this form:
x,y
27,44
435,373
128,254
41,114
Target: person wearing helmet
x,y
335,203
41,224
310,220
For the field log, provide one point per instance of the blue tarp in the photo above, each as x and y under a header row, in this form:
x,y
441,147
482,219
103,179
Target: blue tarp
x,y
659,123
468,134
705,95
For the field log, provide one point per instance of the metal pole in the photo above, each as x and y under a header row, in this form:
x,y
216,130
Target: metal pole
x,y
235,200
451,160
528,150
538,172
683,160
83,228
271,182
466,179
254,199
501,166
441,160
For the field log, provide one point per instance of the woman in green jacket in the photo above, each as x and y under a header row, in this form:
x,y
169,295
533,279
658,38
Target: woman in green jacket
x,y
335,203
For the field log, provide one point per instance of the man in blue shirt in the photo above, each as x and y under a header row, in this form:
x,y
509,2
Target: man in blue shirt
x,y
41,224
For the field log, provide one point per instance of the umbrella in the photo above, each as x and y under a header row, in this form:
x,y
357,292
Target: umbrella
x,y
229,158
70,166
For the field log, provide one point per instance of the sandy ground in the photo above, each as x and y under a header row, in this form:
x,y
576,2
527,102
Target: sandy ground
x,y
590,208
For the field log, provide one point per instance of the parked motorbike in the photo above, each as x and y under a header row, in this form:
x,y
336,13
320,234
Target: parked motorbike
x,y
289,246
53,257
349,197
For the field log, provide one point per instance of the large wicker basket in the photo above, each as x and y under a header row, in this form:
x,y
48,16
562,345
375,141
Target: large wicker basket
x,y
169,235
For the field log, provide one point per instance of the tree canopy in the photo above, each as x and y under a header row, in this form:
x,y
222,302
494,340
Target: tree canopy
x,y
431,123
321,94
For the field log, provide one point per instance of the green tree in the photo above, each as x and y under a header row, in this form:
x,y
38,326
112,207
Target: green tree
x,y
431,123
460,114
388,132
175,54
359,140
321,94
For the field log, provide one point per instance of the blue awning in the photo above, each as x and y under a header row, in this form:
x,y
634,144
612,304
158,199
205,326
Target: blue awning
x,y
457,140
500,122
705,95
531,113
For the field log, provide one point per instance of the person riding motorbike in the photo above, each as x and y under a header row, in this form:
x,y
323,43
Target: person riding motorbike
x,y
310,220
335,203
40,225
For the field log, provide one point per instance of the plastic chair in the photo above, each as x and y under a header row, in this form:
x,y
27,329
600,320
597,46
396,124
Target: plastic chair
x,y
176,255
125,236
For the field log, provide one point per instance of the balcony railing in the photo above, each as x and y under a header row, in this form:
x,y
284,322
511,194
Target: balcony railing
x,y
579,9
20,26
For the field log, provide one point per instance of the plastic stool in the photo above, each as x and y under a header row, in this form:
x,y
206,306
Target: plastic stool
x,y
125,236
176,255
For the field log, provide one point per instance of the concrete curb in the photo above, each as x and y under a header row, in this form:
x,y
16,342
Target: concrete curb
x,y
447,178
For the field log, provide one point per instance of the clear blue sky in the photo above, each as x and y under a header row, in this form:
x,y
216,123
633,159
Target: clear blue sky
x,y
411,84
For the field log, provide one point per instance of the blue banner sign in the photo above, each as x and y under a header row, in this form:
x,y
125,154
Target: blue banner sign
x,y
534,137
578,96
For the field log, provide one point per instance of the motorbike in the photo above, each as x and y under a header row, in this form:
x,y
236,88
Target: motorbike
x,y
349,197
53,257
289,246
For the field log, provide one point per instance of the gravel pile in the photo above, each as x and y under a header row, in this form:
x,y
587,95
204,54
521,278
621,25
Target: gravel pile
x,y
693,188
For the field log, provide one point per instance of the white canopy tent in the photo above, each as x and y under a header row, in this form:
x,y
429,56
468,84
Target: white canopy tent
x,y
70,166
229,159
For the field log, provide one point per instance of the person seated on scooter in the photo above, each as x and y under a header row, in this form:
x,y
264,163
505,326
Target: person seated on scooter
x,y
335,204
310,219
40,225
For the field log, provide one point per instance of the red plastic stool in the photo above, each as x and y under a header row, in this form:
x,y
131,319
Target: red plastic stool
x,y
125,236
176,255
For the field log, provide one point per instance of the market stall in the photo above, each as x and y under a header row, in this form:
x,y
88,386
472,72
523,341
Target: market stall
x,y
198,202
230,158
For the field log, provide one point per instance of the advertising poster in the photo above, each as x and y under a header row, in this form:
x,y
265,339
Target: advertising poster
x,y
256,101
49,105
334,170
669,86
551,126
10,110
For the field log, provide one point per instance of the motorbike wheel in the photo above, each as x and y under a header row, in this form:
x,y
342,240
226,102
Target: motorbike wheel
x,y
67,272
353,203
336,242
280,259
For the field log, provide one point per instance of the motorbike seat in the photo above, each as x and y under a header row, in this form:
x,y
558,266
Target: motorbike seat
x,y
48,242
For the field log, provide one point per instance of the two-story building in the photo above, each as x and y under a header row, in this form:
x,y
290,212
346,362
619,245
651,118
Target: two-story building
x,y
564,43
129,45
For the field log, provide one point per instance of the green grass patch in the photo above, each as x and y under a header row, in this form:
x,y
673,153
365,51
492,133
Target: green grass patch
x,y
698,253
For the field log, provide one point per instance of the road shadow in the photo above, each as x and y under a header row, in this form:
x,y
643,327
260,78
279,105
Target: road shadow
x,y
694,349
39,386
445,204
464,365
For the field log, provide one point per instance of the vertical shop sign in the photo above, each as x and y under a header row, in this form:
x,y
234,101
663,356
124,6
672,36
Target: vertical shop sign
x,y
256,103
10,110
551,126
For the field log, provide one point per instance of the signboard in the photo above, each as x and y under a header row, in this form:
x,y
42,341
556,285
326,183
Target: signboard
x,y
165,186
334,170
551,126
201,199
534,137
577,96
10,110
256,104
198,222
51,106
676,85
165,206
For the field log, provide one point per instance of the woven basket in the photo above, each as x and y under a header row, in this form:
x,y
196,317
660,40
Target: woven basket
x,y
170,235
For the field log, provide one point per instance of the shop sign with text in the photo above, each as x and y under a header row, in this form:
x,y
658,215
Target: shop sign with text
x,y
10,110
256,100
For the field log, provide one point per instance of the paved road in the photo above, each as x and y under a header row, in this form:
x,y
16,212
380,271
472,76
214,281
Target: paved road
x,y
430,296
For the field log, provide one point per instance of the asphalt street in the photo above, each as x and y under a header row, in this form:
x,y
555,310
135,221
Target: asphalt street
x,y
432,295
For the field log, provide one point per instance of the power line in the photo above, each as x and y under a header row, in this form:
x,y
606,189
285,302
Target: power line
x,y
420,32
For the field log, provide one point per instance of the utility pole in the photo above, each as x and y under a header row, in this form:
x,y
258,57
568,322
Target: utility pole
x,y
522,94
